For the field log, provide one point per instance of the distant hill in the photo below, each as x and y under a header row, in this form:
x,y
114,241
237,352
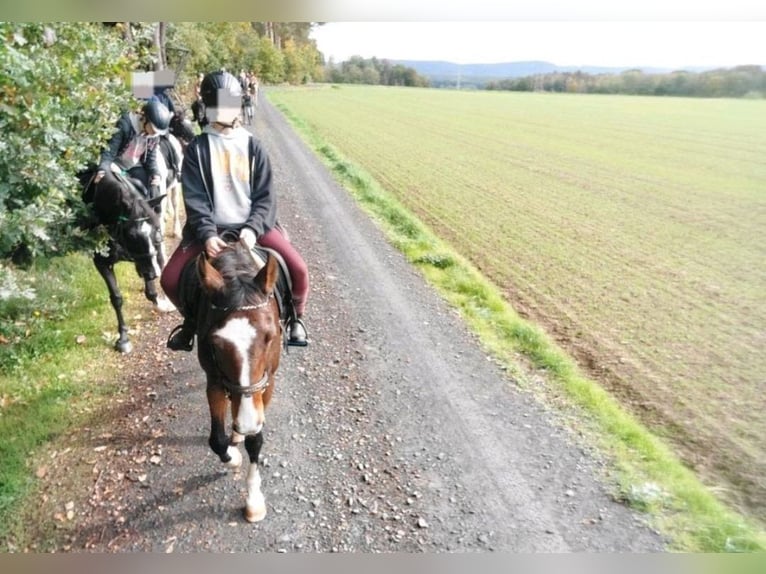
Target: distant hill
x,y
440,72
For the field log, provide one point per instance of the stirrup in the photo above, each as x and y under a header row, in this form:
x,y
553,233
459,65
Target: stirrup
x,y
297,336
178,339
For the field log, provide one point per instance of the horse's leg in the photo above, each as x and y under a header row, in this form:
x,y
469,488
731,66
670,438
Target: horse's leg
x,y
164,170
173,181
175,197
219,441
160,300
105,268
150,291
255,508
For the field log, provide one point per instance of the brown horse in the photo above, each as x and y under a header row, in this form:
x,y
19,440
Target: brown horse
x,y
239,336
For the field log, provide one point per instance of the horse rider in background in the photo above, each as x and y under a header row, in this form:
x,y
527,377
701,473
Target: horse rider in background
x,y
133,146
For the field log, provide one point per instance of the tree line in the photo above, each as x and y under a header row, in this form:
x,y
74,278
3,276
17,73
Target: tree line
x,y
358,70
738,82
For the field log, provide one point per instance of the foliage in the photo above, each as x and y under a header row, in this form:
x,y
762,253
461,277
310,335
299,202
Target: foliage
x,y
61,87
301,63
276,52
357,70
270,63
741,81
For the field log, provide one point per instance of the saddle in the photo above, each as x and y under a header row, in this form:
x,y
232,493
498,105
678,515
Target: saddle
x,y
86,176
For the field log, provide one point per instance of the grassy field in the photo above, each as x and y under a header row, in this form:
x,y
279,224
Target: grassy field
x,y
629,228
57,371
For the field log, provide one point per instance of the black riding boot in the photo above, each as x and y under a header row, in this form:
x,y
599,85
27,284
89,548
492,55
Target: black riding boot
x,y
297,336
182,337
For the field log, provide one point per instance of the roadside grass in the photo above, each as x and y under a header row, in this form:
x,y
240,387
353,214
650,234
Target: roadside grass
x,y
650,478
56,368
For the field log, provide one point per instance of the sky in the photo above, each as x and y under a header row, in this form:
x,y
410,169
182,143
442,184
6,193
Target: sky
x,y
649,43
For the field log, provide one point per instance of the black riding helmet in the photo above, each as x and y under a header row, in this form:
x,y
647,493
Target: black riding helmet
x,y
220,89
222,95
158,115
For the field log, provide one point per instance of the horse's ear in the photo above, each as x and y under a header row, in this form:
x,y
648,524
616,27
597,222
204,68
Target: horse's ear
x,y
209,277
155,201
267,276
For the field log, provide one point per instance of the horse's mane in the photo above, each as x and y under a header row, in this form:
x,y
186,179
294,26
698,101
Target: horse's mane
x,y
136,203
115,197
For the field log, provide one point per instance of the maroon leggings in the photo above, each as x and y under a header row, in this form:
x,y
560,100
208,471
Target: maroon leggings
x,y
273,239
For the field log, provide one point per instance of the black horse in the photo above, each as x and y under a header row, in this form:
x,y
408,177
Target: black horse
x,y
135,235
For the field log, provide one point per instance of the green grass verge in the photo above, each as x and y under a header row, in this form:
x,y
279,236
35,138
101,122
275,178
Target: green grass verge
x,y
55,369
650,477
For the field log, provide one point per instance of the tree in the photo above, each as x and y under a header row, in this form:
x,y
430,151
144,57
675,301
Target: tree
x,y
270,62
62,85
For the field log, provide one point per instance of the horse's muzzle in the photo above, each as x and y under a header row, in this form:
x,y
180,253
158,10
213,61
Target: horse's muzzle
x,y
147,273
248,431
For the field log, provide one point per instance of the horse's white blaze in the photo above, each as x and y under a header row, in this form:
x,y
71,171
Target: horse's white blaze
x,y
241,334
256,504
147,231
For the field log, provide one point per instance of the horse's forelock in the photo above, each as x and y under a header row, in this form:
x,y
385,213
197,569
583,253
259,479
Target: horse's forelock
x,y
238,272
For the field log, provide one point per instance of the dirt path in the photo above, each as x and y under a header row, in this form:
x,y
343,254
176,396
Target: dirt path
x,y
392,431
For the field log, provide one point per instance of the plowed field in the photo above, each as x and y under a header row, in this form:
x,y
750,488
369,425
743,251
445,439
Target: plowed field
x,y
630,228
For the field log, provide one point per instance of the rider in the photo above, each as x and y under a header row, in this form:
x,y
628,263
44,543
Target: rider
x,y
227,186
197,107
133,146
161,95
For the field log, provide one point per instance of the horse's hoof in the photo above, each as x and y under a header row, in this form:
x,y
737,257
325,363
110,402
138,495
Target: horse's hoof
x,y
236,457
123,346
164,305
255,514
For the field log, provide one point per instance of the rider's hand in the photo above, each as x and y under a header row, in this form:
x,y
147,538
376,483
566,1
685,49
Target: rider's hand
x,y
99,176
155,180
247,235
214,245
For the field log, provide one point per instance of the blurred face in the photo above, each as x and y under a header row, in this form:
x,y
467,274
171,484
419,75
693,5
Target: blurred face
x,y
149,128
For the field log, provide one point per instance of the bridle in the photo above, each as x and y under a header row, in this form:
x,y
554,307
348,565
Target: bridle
x,y
117,229
117,233
230,386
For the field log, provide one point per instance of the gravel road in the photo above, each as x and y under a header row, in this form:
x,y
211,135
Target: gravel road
x,y
391,432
